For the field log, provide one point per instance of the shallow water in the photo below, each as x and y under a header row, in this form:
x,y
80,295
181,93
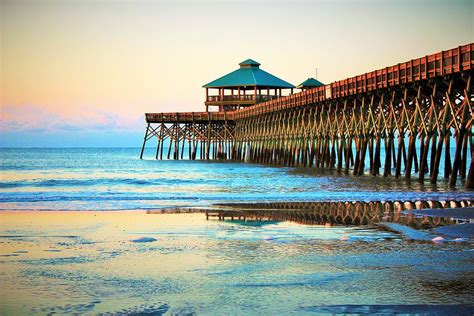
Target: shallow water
x,y
86,262
115,179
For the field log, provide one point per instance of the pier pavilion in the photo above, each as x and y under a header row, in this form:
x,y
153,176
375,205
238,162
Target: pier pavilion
x,y
244,87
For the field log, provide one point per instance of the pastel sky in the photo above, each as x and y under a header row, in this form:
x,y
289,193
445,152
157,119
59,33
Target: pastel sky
x,y
82,73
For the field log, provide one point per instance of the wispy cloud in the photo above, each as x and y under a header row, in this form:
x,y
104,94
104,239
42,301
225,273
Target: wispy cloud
x,y
34,118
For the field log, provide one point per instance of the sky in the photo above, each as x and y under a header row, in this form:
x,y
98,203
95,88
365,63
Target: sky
x,y
83,73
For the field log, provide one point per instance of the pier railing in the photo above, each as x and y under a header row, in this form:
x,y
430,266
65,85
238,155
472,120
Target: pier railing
x,y
445,63
184,117
243,98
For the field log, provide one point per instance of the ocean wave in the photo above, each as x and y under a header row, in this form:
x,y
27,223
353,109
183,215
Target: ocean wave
x,y
90,198
114,179
52,183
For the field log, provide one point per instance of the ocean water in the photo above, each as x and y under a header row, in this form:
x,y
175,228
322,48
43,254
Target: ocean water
x,y
116,179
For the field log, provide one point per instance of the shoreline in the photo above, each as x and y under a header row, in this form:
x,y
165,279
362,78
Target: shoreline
x,y
415,205
460,209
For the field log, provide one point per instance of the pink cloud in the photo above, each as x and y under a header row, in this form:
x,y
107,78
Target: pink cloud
x,y
39,119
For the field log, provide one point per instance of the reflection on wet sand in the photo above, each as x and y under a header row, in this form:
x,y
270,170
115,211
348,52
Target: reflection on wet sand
x,y
351,213
133,262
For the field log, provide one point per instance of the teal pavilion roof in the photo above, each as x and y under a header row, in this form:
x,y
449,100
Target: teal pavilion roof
x,y
310,83
249,74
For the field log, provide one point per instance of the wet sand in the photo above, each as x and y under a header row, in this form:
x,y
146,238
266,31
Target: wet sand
x,y
73,242
133,262
113,227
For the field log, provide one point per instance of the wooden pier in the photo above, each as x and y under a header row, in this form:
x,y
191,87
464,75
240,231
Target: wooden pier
x,y
402,119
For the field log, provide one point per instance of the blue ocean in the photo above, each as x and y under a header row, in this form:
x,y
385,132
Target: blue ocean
x,y
116,179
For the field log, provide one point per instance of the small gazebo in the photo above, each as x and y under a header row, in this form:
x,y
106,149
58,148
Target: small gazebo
x,y
245,86
309,84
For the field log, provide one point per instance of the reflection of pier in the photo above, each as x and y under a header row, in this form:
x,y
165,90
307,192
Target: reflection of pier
x,y
341,213
402,119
